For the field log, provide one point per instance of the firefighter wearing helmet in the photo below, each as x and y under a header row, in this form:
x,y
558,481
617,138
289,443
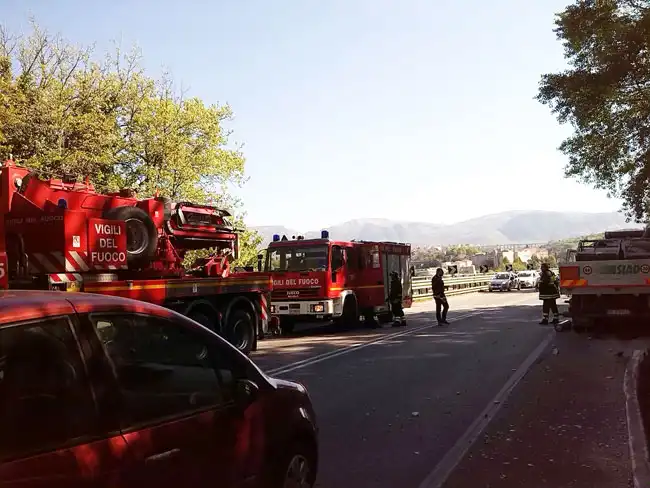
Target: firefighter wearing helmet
x,y
395,299
548,293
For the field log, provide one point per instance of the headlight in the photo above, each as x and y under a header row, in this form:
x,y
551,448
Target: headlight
x,y
318,308
272,308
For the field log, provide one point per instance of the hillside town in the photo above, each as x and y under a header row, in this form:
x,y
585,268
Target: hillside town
x,y
469,258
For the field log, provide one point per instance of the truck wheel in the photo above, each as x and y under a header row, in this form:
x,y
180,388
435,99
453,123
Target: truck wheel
x,y
350,316
141,233
202,319
240,330
385,318
287,326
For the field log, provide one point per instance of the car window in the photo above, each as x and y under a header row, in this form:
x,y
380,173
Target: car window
x,y
163,369
45,399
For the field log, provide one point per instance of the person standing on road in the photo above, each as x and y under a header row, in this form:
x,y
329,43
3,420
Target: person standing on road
x,y
438,290
395,299
548,293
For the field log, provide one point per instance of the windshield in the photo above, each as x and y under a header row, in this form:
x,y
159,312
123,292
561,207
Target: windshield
x,y
525,275
297,259
502,276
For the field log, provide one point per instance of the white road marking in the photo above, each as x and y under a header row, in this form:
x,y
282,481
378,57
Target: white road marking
x,y
287,368
454,456
354,347
635,431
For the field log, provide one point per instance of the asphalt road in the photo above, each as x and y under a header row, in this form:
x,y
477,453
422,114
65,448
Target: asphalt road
x,y
391,403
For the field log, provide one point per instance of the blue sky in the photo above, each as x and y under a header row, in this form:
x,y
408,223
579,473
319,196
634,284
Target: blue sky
x,y
410,110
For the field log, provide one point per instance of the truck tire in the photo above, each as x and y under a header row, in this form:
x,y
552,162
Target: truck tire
x,y
385,318
240,330
287,326
350,315
202,318
141,233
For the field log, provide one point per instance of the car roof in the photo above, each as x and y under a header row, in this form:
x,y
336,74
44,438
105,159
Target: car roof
x,y
21,305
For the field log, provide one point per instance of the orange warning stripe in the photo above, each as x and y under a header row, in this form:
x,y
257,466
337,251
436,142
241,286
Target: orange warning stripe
x,y
572,283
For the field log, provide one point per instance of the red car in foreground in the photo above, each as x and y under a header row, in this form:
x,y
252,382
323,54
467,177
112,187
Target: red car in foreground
x,y
98,391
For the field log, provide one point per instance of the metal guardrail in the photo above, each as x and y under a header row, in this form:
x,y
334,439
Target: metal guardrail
x,y
457,285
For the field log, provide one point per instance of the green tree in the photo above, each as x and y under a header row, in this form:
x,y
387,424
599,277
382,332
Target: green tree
x,y
502,265
426,257
250,242
605,96
534,261
63,113
518,264
460,251
551,261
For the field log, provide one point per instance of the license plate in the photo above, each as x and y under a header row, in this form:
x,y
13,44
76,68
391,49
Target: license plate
x,y
294,311
618,312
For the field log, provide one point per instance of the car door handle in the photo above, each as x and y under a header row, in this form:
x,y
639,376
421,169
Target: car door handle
x,y
161,456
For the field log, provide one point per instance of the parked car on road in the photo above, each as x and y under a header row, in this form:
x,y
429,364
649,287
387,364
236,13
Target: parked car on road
x,y
504,282
103,391
528,279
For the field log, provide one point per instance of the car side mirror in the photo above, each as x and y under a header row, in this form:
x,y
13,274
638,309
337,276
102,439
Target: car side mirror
x,y
246,392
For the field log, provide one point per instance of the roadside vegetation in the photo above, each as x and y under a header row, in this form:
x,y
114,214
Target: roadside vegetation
x,y
66,110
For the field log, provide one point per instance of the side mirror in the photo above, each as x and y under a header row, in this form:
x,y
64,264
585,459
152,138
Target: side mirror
x,y
260,258
246,393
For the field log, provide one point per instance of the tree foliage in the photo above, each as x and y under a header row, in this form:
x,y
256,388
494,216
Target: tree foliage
x,y
433,257
518,264
64,112
605,96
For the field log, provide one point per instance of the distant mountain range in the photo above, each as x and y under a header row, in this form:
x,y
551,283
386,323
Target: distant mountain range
x,y
518,227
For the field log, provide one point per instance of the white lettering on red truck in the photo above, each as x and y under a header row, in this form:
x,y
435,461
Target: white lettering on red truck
x,y
297,282
108,229
108,257
107,242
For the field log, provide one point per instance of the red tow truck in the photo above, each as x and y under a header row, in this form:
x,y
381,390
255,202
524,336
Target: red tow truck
x,y
323,279
63,235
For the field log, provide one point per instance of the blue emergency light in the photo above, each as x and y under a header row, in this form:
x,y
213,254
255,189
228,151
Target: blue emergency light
x,y
276,237
324,234
62,203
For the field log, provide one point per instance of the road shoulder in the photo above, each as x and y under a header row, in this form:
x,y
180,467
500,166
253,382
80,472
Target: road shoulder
x,y
564,425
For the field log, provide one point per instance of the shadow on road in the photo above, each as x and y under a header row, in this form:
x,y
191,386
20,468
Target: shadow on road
x,y
317,341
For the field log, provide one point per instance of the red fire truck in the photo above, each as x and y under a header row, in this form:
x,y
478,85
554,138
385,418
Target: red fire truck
x,y
340,280
63,235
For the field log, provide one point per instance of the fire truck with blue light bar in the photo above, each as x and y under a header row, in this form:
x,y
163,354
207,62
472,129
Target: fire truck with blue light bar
x,y
608,279
325,279
61,234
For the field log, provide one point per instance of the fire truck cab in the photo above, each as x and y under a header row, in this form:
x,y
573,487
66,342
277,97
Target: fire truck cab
x,y
324,279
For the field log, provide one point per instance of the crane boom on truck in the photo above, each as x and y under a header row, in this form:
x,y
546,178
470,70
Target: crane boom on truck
x,y
325,279
64,235
608,279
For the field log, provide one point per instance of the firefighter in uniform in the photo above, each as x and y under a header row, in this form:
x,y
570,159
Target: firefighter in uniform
x,y
548,293
395,299
438,291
